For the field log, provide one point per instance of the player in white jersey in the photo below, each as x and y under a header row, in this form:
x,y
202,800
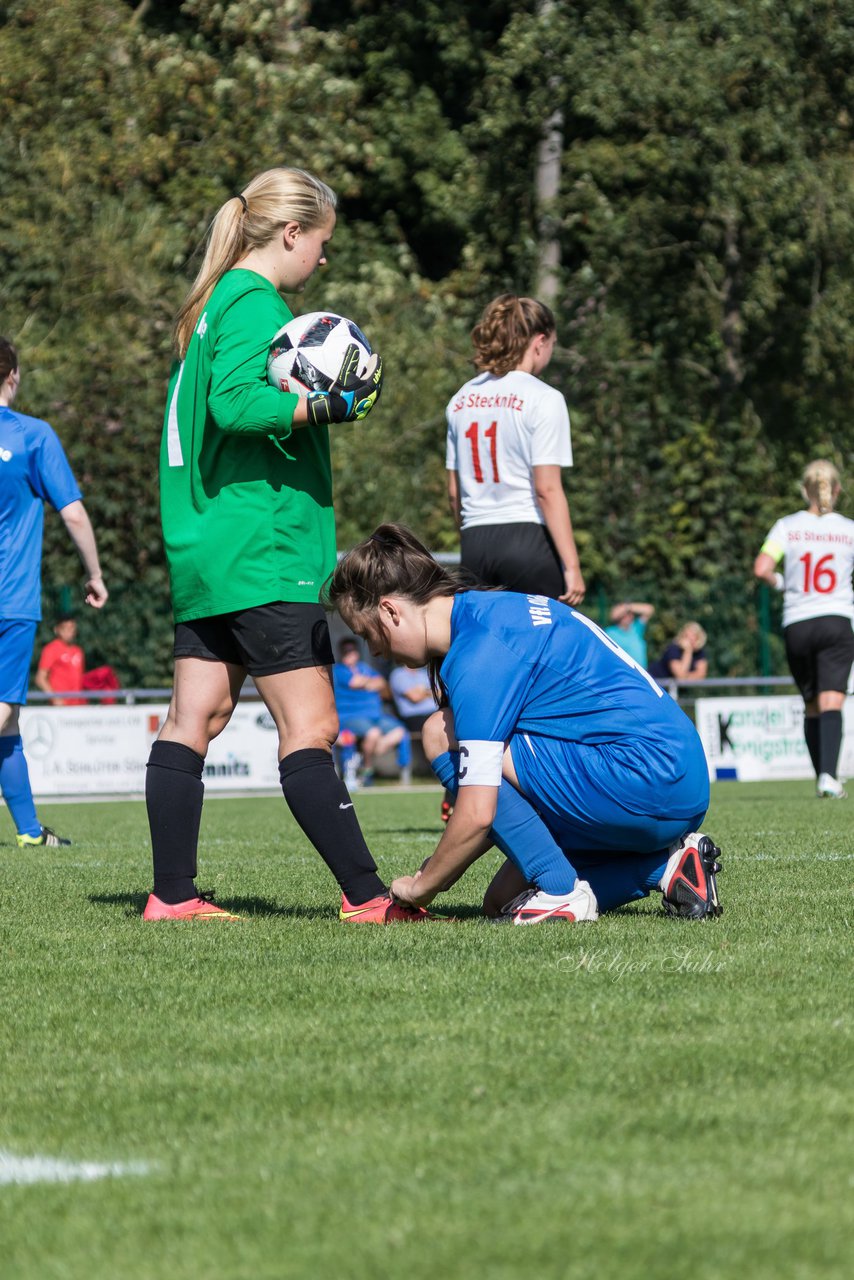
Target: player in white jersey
x,y
816,547
508,438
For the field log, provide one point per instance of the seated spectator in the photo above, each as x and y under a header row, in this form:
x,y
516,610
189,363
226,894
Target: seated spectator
x,y
359,694
413,697
60,668
628,628
685,657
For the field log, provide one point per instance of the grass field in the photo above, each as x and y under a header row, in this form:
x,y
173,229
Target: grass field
x,y
637,1098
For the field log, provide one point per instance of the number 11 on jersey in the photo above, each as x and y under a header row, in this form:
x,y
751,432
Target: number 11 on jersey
x,y
490,434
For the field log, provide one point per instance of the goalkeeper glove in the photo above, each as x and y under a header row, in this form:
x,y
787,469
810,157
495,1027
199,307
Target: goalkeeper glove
x,y
351,397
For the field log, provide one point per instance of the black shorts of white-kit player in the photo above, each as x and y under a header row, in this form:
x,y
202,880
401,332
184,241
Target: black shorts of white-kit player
x,y
267,639
820,652
517,556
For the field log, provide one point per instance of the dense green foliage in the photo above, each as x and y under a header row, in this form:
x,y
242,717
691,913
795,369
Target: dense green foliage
x,y
706,305
636,1099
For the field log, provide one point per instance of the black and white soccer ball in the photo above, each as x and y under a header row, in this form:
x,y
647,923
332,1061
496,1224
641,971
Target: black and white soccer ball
x,y
316,350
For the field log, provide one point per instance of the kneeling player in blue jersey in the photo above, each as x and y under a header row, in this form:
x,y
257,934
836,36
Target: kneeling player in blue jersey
x,y
563,752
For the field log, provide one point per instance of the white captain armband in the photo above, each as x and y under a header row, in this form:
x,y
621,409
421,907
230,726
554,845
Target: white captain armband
x,y
480,763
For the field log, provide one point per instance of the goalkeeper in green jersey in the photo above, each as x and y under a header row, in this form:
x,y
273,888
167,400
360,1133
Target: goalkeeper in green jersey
x,y
248,525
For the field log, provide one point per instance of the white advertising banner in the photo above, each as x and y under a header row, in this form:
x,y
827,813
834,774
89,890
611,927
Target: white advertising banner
x,y
756,739
104,749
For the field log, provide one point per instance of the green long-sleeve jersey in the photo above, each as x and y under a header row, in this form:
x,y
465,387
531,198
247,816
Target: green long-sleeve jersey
x,y
246,520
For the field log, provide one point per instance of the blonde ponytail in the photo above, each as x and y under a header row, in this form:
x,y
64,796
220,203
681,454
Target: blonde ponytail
x,y
821,485
248,221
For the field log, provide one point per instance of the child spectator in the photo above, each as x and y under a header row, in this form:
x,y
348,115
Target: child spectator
x,y
61,664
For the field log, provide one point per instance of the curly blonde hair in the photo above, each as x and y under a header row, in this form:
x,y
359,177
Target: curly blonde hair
x,y
505,329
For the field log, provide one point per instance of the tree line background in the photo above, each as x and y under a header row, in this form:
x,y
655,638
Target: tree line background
x,y
674,174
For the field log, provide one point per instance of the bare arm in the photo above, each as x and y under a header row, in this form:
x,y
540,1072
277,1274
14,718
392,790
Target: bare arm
x,y
454,496
79,526
551,500
765,569
680,668
376,683
465,839
416,694
41,681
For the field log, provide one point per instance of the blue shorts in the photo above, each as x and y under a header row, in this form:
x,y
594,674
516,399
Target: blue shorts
x,y
610,797
16,652
360,725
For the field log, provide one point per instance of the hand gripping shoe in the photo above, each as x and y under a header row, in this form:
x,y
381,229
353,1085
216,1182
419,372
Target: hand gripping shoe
x,y
382,910
688,886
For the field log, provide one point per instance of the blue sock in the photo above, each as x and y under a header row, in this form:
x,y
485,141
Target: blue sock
x,y
404,751
15,785
623,877
519,832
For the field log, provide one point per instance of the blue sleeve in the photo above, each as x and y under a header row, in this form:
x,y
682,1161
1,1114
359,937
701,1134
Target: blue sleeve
x,y
487,686
50,472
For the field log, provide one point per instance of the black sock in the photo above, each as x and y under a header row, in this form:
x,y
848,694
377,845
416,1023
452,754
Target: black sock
x,y
174,792
812,736
830,731
322,806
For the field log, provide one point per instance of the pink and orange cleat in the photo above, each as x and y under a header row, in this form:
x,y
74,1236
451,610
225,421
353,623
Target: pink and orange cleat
x,y
382,910
201,908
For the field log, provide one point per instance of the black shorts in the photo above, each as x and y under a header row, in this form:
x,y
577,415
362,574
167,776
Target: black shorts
x,y
265,640
820,652
519,557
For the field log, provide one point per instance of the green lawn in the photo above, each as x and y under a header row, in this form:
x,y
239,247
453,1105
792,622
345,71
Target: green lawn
x,y
637,1098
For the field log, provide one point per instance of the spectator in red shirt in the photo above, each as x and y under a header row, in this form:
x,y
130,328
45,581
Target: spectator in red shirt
x,y
60,668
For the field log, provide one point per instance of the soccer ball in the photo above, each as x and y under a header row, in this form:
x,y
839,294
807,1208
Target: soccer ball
x,y
313,351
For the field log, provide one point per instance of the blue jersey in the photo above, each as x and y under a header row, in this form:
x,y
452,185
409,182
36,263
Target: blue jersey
x,y
528,665
351,702
33,470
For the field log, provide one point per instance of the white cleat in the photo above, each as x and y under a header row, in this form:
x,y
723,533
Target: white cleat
x,y
829,788
534,907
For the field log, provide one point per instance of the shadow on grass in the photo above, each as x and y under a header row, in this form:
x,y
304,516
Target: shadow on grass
x,y
134,905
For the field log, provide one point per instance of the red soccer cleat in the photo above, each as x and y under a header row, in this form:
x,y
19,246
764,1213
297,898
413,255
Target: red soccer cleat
x,y
382,910
200,908
689,887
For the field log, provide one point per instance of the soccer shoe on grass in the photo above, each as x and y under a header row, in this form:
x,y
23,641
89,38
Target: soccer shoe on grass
x,y
535,907
688,886
830,788
382,910
200,908
48,839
